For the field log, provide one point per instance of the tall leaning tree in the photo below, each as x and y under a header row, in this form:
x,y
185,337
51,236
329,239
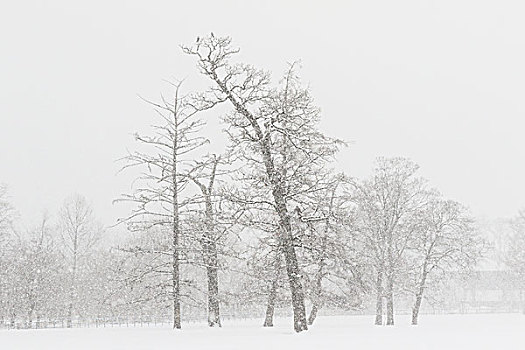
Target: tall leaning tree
x,y
164,161
273,130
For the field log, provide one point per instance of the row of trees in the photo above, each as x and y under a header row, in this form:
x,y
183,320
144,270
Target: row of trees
x,y
52,270
334,238
264,224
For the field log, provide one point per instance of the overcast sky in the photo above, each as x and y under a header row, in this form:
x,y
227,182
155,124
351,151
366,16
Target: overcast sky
x,y
441,82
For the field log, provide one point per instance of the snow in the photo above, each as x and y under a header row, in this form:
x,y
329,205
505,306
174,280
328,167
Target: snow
x,y
479,331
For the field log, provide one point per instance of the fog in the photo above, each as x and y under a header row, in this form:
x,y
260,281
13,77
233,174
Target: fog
x,y
440,82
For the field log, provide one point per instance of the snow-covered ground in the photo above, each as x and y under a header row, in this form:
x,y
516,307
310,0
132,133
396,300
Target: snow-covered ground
x,y
480,331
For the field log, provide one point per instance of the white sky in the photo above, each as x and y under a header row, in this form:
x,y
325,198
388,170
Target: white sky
x,y
442,82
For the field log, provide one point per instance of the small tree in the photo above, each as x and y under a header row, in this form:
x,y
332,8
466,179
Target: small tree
x,y
40,270
79,232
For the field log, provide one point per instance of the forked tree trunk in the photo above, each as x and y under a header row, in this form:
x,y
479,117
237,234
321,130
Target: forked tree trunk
x,y
313,314
379,299
210,253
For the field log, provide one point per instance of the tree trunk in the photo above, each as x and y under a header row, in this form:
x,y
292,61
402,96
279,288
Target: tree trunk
x,y
419,298
272,297
69,323
30,313
294,279
176,228
390,300
415,310
316,302
270,308
176,279
213,292
292,265
72,291
212,265
379,299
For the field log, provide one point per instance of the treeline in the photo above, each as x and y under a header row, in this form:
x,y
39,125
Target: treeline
x,y
55,270
264,224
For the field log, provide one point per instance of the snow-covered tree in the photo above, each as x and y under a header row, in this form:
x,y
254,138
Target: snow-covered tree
x,y
388,208
333,267
273,131
446,241
515,257
159,191
79,232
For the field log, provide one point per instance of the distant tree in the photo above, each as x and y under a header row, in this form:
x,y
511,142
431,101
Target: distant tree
x,y
143,270
79,232
8,278
515,257
446,241
40,270
388,208
273,131
31,283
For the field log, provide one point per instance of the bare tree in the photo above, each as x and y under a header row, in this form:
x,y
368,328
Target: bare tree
x,y
79,233
209,237
269,128
34,275
329,253
388,206
447,240
158,190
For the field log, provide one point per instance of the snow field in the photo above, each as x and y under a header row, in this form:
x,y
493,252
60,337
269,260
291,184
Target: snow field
x,y
479,331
